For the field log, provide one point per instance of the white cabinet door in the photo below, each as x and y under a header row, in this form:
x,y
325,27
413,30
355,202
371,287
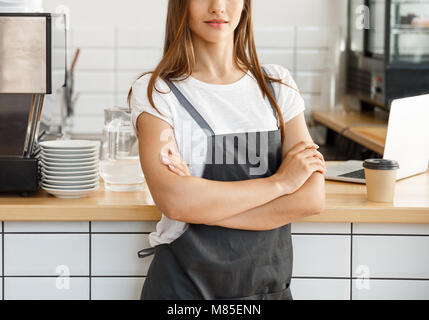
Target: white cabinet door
x,y
50,226
135,226
391,228
116,288
46,254
391,256
46,288
320,289
321,255
392,290
116,255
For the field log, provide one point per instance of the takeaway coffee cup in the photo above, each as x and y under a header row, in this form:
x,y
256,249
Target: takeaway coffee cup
x,y
380,176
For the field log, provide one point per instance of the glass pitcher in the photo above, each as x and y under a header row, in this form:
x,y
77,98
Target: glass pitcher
x,y
120,164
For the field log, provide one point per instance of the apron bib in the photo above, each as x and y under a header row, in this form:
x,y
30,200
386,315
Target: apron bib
x,y
213,262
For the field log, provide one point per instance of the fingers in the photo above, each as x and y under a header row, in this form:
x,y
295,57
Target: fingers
x,y
301,146
176,170
175,163
316,164
312,153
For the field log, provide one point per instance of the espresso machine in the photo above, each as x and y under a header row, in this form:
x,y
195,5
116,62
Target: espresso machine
x,y
32,70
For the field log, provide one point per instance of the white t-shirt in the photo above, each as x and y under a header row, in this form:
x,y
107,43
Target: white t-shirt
x,y
227,108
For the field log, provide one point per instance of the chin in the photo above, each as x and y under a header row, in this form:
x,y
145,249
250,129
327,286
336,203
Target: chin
x,y
214,38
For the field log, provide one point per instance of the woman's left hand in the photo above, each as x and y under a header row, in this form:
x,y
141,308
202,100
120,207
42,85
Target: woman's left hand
x,y
175,163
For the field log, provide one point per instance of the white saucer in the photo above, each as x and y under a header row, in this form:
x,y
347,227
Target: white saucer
x,y
71,178
69,174
68,164
69,183
69,152
69,194
67,161
79,187
53,156
70,144
70,169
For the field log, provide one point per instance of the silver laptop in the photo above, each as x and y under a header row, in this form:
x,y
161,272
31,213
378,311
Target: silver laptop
x,y
407,142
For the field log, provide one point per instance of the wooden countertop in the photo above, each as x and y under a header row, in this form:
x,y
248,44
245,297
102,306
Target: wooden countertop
x,y
345,202
369,129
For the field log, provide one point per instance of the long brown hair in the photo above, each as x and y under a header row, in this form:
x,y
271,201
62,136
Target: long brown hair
x,y
178,59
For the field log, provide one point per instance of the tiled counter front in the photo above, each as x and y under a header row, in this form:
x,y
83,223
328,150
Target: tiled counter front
x,y
98,260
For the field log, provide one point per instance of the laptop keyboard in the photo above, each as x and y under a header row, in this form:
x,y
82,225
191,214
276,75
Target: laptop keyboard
x,y
359,174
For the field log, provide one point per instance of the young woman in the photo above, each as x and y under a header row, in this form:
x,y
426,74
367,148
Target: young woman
x,y
227,157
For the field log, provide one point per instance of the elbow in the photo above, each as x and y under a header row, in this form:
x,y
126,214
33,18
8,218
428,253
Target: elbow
x,y
319,195
177,209
320,205
172,211
168,205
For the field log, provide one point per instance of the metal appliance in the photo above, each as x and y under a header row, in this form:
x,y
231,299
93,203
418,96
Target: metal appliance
x,y
32,69
388,50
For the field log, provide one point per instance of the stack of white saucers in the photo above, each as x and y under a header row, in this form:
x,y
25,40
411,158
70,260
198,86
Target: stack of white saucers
x,y
70,168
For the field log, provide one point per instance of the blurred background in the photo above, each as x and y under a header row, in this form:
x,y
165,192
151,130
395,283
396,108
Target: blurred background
x,y
120,40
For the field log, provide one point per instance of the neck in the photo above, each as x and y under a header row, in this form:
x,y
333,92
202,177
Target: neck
x,y
215,62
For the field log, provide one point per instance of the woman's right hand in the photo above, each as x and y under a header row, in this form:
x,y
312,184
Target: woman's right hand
x,y
298,165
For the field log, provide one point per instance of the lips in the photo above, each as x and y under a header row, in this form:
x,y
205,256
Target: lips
x,y
220,21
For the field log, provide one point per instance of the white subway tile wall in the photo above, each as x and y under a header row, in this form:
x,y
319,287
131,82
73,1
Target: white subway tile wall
x,y
113,57
98,260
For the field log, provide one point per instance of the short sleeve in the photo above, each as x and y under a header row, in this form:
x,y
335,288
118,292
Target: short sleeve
x,y
140,102
289,98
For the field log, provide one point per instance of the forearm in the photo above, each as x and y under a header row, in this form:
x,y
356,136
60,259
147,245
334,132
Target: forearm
x,y
308,200
203,201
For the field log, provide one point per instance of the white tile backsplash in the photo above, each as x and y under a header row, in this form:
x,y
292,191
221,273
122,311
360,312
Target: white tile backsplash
x,y
1,255
309,82
313,37
94,104
140,38
96,59
46,288
392,290
284,57
88,124
391,228
46,254
136,226
321,256
116,288
320,289
275,37
311,60
312,227
391,256
95,82
54,226
94,37
126,80
116,254
138,59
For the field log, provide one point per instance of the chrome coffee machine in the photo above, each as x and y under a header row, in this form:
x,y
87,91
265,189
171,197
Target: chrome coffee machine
x,y
32,68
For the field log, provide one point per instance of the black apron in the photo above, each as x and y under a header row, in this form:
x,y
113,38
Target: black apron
x,y
213,262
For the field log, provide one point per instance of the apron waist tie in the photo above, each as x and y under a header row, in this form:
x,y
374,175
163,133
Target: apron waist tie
x,y
146,252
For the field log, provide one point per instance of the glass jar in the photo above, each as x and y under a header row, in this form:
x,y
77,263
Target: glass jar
x,y
120,162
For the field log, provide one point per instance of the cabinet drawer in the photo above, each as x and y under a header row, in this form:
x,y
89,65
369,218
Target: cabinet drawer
x,y
46,289
391,256
392,290
116,288
320,289
312,227
116,255
321,256
46,254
